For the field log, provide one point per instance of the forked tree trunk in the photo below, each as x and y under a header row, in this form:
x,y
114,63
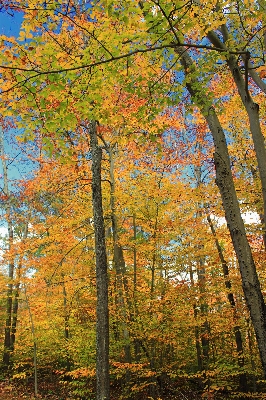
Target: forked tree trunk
x,y
225,183
102,312
252,110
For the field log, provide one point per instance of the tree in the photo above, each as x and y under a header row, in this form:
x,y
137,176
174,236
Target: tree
x,y
102,313
10,317
173,54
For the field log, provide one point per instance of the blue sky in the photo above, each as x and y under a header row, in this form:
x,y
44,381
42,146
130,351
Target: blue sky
x,y
18,165
10,22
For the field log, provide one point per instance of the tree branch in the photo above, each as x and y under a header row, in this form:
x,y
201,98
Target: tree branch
x,y
111,59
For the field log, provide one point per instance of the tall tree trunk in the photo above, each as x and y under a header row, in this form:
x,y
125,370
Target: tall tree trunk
x,y
231,300
134,255
15,308
252,110
35,362
11,264
119,262
205,327
153,263
17,292
225,183
251,354
66,324
102,312
135,308
197,330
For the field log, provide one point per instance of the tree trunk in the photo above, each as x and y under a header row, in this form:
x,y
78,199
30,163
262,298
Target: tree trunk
x,y
135,308
11,263
119,263
102,312
153,263
15,309
17,292
225,183
251,354
231,299
35,361
134,255
66,323
252,110
201,272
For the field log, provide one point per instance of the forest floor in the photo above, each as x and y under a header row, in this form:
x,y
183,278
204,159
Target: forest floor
x,y
10,391
18,391
55,390
23,392
13,392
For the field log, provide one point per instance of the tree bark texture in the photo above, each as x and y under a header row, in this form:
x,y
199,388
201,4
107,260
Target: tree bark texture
x,y
225,183
16,293
11,266
35,358
250,281
119,263
201,272
231,300
252,110
102,312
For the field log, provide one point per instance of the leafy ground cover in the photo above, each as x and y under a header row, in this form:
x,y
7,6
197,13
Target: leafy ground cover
x,y
58,391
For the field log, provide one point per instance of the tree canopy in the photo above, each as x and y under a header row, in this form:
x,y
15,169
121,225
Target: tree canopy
x,y
143,123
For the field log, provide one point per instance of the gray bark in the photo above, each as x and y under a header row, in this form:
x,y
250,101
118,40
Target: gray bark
x,y
11,266
205,327
259,82
225,183
17,292
135,253
252,110
102,312
119,262
35,359
231,299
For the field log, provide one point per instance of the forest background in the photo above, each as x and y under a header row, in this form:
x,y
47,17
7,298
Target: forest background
x,y
128,268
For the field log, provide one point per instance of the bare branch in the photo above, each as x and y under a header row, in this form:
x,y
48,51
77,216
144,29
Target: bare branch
x,y
111,59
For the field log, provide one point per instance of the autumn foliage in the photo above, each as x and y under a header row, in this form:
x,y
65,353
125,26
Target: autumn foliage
x,y
151,75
